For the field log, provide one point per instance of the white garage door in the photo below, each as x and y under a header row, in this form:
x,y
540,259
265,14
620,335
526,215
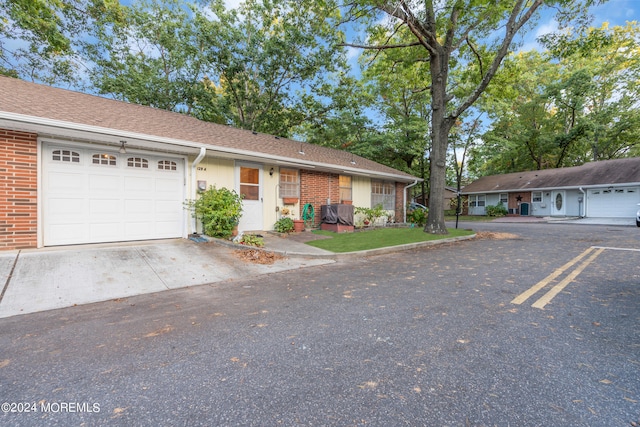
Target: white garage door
x,y
613,202
93,194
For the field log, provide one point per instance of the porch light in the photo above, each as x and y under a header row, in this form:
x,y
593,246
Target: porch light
x,y
122,149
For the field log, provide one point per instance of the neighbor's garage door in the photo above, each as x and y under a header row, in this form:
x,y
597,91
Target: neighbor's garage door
x,y
613,203
93,194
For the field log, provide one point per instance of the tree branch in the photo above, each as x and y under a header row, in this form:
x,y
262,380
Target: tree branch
x,y
475,52
381,47
512,27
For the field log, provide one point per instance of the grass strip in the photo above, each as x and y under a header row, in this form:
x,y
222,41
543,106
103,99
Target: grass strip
x,y
378,238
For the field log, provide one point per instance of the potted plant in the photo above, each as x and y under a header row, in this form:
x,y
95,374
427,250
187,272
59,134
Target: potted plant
x,y
298,225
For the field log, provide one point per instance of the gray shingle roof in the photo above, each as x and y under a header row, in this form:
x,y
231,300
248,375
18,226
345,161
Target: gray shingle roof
x,y
605,172
39,101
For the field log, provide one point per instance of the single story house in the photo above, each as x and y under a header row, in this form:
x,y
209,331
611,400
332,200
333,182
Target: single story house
x,y
77,168
603,189
450,198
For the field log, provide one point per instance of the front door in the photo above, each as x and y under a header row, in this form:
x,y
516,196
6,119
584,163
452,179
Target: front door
x,y
558,203
249,186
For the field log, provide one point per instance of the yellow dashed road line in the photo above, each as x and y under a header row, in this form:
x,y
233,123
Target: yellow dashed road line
x,y
544,282
560,286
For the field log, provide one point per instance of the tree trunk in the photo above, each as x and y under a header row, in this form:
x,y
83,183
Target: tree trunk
x,y
440,127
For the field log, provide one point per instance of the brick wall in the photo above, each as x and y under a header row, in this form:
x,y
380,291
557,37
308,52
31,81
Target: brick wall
x,y
399,202
316,188
18,190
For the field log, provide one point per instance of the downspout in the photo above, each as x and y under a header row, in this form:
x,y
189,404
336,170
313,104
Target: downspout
x,y
584,203
194,183
404,200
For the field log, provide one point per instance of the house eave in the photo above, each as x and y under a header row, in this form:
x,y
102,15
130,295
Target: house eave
x,y
75,131
571,187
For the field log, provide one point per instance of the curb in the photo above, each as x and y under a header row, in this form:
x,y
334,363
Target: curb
x,y
341,256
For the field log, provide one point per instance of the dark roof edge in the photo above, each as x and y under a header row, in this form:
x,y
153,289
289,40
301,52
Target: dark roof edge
x,y
91,129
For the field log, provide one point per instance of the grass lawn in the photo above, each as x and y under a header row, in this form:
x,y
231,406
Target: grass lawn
x,y
378,238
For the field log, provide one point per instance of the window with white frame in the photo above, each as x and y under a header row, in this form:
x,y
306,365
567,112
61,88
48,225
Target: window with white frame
x,y
137,162
383,193
103,159
536,196
345,188
504,198
477,200
167,165
289,183
65,156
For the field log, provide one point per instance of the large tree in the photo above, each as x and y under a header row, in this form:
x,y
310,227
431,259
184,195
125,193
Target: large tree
x,y
575,103
455,33
270,59
38,38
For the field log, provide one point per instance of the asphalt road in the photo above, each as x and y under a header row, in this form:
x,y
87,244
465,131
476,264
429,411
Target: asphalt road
x,y
428,337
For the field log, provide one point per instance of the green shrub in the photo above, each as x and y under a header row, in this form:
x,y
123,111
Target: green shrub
x,y
417,216
498,210
252,240
284,225
218,209
371,214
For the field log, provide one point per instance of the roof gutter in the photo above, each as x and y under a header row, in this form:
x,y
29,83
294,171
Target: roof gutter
x,y
44,125
584,204
404,199
194,184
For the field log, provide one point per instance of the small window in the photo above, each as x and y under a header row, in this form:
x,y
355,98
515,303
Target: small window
x,y
595,192
167,165
289,183
618,191
65,156
504,198
481,200
137,162
250,183
536,196
345,188
606,191
631,190
104,159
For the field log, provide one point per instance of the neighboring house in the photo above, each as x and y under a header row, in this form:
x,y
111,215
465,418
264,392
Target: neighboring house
x,y
450,197
78,168
604,189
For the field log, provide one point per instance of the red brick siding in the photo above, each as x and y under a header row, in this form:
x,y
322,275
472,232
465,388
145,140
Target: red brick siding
x,y
514,203
18,190
316,188
399,202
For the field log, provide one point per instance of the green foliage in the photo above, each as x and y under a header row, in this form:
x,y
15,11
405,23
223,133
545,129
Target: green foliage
x,y
39,39
417,216
252,240
284,225
219,210
497,210
371,214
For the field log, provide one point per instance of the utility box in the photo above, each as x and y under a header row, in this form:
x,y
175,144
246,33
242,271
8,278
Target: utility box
x,y
337,218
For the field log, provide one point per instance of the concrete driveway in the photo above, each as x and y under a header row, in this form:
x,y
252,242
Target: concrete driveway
x,y
45,279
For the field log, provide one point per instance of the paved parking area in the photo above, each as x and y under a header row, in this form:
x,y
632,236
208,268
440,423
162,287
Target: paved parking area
x,y
429,336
